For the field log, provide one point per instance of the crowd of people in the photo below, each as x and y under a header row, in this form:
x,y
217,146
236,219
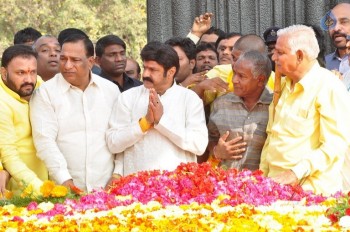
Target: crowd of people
x,y
85,115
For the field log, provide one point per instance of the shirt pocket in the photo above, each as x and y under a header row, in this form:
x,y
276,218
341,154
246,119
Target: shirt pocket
x,y
301,122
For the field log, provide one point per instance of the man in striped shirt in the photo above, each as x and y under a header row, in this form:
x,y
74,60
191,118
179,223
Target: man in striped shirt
x,y
237,124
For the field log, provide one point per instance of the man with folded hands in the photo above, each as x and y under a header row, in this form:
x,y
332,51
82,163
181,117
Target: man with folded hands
x,y
160,124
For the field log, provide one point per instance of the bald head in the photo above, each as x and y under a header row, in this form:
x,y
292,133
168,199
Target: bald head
x,y
248,43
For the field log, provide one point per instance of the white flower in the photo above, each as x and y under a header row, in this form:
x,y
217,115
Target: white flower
x,y
345,222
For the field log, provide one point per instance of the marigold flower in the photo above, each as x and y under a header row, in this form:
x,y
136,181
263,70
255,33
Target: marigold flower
x,y
28,191
59,191
46,188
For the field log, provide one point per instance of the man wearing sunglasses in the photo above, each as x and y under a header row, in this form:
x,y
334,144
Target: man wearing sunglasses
x,y
338,25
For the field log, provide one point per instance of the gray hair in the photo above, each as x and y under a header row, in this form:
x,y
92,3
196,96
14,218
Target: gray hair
x,y
301,37
260,62
43,36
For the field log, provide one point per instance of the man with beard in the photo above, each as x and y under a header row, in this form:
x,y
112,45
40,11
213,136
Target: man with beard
x,y
160,124
206,57
18,154
48,50
111,56
338,60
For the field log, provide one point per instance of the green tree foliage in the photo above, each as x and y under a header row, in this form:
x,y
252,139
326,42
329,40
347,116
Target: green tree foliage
x,y
124,18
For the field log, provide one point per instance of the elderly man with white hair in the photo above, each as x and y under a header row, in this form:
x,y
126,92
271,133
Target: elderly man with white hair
x,y
309,128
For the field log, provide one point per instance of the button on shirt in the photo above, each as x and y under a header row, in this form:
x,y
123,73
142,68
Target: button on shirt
x,y
230,114
180,135
310,132
334,62
69,127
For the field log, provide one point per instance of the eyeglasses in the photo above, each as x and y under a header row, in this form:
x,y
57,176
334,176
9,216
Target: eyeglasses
x,y
328,21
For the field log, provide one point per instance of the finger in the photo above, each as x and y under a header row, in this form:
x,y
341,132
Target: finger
x,y
236,157
235,140
196,19
224,136
201,18
237,151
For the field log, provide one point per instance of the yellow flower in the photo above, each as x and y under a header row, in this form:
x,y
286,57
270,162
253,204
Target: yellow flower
x,y
47,188
59,191
28,191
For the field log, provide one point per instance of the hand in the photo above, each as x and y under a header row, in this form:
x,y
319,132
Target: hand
x,y
201,24
337,74
231,149
149,116
110,181
286,177
68,183
4,178
155,105
214,84
194,78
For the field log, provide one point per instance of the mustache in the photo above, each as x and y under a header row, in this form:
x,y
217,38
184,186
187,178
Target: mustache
x,y
147,79
25,84
337,34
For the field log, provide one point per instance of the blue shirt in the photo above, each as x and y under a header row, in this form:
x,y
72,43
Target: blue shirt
x,y
334,62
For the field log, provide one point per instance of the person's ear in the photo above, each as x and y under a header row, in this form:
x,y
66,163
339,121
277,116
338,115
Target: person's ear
x,y
97,60
300,56
261,80
3,72
171,72
192,64
91,62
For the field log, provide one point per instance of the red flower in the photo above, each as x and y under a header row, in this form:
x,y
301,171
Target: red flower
x,y
347,212
333,218
76,190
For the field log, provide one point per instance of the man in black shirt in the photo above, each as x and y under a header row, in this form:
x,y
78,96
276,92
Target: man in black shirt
x,y
111,56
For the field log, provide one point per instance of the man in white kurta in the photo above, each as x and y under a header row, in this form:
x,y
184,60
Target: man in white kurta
x,y
160,124
69,116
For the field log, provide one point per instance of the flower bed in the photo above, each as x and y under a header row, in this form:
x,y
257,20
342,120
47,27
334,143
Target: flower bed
x,y
194,197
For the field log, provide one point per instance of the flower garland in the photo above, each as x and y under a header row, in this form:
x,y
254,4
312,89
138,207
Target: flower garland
x,y
192,197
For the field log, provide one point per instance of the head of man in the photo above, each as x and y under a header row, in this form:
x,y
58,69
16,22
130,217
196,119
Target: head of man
x,y
132,68
247,43
76,60
160,65
212,35
111,55
186,50
296,50
206,57
26,36
18,69
224,47
48,50
252,71
65,33
338,33
270,37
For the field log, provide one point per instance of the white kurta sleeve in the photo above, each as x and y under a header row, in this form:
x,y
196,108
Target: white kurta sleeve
x,y
192,135
123,131
45,128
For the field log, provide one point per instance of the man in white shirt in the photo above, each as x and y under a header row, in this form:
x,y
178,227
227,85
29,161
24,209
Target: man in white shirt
x,y
157,125
69,116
